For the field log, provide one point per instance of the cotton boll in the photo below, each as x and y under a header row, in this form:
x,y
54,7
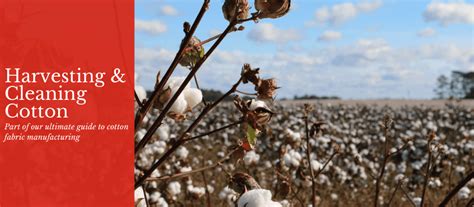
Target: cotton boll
x,y
251,158
285,203
257,198
182,152
180,105
417,201
163,132
228,195
257,104
193,97
196,191
185,169
140,134
175,82
174,188
292,158
316,165
154,197
141,92
464,193
139,194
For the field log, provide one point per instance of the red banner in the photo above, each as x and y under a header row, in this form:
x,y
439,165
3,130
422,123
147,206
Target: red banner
x,y
67,102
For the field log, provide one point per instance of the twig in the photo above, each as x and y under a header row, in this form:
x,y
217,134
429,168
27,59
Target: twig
x,y
398,150
408,196
213,131
145,196
203,42
386,154
149,103
325,164
394,192
458,187
428,173
178,175
245,93
139,102
208,195
308,157
470,203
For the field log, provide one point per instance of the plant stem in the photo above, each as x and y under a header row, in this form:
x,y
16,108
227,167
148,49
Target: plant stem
x,y
149,103
394,192
178,175
408,196
382,170
325,164
427,176
139,102
458,187
214,131
308,157
145,196
208,195
202,43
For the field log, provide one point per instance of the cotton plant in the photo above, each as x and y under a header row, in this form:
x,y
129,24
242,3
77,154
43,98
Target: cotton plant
x,y
186,101
257,198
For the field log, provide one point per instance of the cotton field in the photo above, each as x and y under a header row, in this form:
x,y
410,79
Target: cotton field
x,y
347,155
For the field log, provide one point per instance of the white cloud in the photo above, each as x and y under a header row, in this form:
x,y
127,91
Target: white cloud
x,y
330,36
363,53
450,13
367,68
168,10
153,27
340,13
265,32
426,32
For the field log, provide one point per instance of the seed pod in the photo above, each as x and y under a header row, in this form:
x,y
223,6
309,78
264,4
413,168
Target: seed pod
x,y
193,55
250,75
242,182
272,8
259,114
283,189
229,9
266,88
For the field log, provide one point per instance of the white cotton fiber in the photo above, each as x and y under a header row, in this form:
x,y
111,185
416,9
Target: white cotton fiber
x,y
251,158
174,188
182,152
193,97
316,165
257,198
163,132
180,105
254,104
175,82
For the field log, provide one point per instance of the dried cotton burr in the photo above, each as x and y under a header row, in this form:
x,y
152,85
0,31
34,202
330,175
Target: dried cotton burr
x,y
230,6
272,8
266,88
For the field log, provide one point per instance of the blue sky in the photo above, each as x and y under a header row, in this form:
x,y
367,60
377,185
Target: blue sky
x,y
352,49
